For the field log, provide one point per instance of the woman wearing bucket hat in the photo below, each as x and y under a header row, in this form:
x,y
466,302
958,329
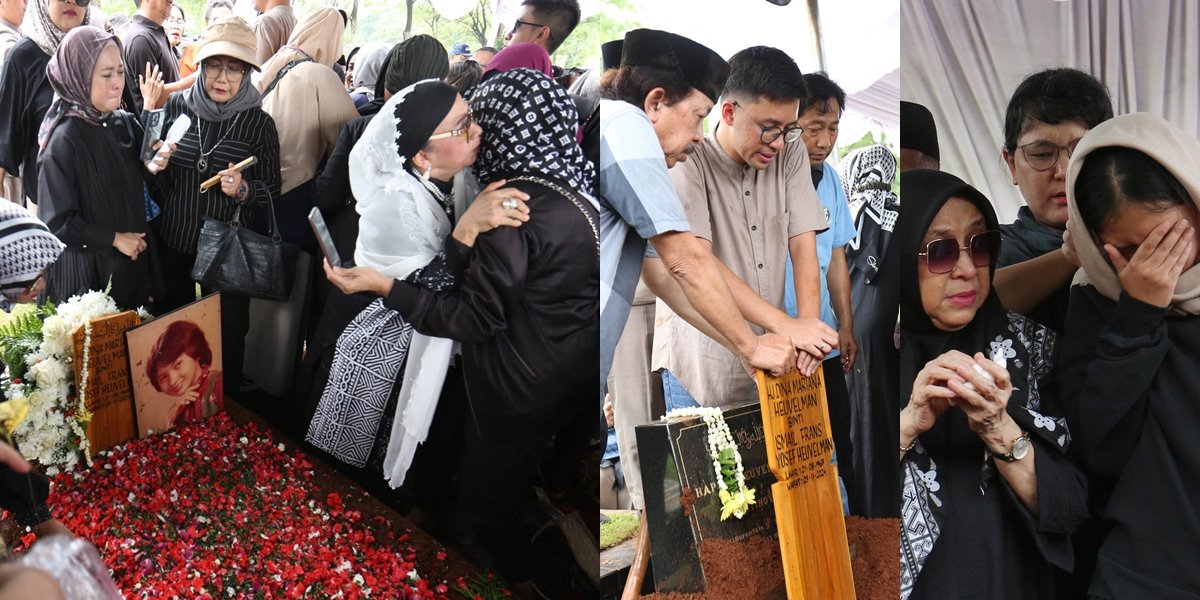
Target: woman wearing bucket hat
x,y
228,126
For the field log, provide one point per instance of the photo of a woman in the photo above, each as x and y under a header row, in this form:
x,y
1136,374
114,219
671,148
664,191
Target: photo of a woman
x,y
181,366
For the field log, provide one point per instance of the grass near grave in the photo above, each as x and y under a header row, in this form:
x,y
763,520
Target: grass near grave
x,y
619,528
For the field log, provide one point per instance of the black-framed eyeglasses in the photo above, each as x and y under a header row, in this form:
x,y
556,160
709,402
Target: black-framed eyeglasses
x,y
465,130
517,25
79,3
1042,155
941,256
213,70
768,135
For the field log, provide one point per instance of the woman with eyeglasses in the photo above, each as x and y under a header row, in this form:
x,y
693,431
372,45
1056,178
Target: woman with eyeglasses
x,y
1046,116
989,496
228,126
404,170
524,309
1131,352
25,92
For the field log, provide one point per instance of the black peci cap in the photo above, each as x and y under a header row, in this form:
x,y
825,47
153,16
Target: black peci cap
x,y
918,131
702,68
610,54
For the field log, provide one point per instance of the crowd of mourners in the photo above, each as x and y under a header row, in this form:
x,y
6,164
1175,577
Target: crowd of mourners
x,y
454,185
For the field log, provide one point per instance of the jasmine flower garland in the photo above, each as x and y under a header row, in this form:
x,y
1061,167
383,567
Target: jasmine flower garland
x,y
736,498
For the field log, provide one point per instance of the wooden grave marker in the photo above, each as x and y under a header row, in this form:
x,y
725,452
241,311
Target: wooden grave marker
x,y
108,396
808,506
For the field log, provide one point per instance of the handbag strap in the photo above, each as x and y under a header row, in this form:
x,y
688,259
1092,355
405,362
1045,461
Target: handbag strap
x,y
284,71
236,220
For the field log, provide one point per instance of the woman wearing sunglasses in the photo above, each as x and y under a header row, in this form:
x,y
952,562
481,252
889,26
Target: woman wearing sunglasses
x,y
989,497
1129,359
1046,116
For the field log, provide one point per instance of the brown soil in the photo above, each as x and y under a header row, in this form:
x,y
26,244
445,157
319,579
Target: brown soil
x,y
747,570
877,557
753,569
687,498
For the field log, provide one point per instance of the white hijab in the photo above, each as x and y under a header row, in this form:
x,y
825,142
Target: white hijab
x,y
401,229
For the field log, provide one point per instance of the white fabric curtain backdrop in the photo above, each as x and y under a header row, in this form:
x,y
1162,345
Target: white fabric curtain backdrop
x,y
875,107
963,60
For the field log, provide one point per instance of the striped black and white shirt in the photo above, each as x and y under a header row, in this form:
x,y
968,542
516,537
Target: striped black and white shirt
x,y
250,133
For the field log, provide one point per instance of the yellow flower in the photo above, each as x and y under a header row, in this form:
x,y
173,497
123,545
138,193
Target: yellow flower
x,y
12,413
736,504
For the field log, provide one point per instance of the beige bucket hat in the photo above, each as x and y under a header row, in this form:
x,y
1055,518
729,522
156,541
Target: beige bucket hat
x,y
230,37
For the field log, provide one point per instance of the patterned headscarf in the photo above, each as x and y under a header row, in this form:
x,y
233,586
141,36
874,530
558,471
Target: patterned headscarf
x,y
1027,347
70,73
529,125
26,248
867,176
42,30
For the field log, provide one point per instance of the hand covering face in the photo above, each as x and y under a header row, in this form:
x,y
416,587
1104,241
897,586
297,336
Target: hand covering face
x,y
1176,151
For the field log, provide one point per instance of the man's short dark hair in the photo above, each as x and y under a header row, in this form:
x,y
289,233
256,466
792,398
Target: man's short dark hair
x,y
820,90
764,72
633,84
486,49
561,16
1055,96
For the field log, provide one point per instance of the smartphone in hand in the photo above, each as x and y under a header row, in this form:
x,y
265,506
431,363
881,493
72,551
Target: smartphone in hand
x,y
154,125
324,239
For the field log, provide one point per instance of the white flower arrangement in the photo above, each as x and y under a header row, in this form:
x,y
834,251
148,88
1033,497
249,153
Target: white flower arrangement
x,y
735,497
54,433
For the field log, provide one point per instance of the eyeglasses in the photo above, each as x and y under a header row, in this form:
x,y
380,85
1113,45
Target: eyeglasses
x,y
517,25
768,135
465,130
214,70
79,3
941,256
1042,155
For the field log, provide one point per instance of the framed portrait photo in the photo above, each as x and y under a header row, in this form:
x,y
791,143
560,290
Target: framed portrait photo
x,y
176,368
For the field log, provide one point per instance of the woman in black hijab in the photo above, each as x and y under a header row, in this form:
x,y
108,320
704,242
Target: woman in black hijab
x,y
976,380
526,308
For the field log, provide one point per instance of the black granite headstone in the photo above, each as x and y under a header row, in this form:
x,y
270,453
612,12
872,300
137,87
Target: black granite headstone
x,y
683,507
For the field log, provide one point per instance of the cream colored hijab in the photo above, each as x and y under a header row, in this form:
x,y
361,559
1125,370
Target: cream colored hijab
x,y
318,36
1173,149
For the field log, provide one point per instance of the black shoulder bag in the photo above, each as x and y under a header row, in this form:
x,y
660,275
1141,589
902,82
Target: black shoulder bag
x,y
231,258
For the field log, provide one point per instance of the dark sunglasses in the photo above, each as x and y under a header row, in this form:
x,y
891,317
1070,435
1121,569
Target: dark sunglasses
x,y
942,255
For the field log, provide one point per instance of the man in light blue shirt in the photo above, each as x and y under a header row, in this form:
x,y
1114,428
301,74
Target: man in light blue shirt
x,y
820,114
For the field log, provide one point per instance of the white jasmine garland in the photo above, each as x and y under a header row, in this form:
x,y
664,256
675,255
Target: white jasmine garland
x,y
56,419
720,440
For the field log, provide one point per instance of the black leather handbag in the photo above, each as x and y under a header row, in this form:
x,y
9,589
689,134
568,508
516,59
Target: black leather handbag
x,y
231,258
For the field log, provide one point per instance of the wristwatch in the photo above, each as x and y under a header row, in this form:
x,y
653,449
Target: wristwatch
x,y
1018,450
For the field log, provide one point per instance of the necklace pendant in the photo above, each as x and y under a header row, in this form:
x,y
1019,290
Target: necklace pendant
x,y
202,165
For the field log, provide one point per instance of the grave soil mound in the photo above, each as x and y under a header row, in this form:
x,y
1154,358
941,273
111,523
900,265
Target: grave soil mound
x,y
753,570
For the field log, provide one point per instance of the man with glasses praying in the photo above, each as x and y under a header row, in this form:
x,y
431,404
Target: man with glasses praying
x,y
148,53
747,191
544,22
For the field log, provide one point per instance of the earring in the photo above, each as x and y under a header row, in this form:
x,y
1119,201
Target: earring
x,y
428,171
